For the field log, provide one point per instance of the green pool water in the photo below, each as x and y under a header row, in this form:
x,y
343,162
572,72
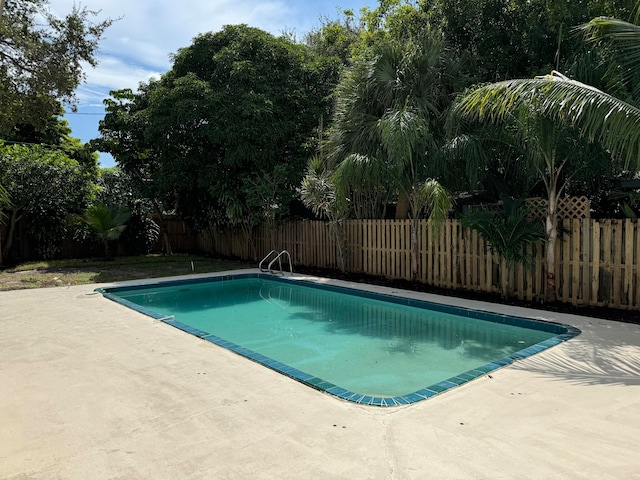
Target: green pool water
x,y
364,345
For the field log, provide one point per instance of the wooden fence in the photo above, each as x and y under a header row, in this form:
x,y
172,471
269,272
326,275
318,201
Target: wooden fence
x,y
596,261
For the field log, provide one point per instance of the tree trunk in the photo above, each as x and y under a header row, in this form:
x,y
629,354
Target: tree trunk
x,y
337,229
13,222
402,208
166,244
551,229
504,279
415,257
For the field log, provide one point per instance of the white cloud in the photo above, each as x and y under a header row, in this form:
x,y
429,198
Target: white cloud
x,y
146,32
114,73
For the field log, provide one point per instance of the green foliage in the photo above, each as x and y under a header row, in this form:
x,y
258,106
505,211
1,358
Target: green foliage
x,y
41,59
392,20
225,134
119,191
621,42
318,192
389,124
5,203
612,122
388,129
123,134
335,38
107,223
44,186
546,106
516,38
508,232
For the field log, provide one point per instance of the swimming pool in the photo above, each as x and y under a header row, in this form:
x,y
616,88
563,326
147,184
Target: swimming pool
x,y
363,347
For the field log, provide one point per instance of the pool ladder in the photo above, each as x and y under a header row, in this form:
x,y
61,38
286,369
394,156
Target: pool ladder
x,y
275,256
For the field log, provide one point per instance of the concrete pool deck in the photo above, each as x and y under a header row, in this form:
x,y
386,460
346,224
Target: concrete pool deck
x,y
90,389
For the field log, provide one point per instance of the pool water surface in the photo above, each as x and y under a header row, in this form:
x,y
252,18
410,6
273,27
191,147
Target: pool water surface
x,y
363,347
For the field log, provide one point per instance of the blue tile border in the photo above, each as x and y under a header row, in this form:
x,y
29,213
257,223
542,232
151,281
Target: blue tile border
x,y
562,332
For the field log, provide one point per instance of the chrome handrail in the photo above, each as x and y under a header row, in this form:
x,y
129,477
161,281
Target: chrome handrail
x,y
266,257
278,258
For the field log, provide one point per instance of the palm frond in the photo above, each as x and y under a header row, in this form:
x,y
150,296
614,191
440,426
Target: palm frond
x,y
432,195
317,190
400,132
106,221
366,182
507,232
625,38
467,150
599,116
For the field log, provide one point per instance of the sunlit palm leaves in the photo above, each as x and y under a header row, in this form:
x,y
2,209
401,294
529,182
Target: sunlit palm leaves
x,y
433,197
599,116
390,113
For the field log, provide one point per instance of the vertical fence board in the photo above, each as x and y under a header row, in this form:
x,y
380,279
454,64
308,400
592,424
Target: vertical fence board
x,y
596,261
575,262
617,247
563,281
628,263
585,262
607,277
636,266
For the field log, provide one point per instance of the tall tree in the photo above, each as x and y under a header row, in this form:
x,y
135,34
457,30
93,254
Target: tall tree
x,y
42,63
389,125
228,129
123,134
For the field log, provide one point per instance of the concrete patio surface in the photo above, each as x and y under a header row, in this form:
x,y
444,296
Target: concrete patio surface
x,y
90,389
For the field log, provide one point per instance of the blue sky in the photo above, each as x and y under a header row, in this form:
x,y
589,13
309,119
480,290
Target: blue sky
x,y
137,46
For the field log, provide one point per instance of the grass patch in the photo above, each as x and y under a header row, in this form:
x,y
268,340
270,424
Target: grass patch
x,y
85,271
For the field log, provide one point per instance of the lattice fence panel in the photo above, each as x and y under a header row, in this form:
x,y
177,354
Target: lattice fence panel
x,y
571,208
574,208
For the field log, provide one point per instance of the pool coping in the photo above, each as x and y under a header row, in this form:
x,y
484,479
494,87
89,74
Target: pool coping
x,y
562,333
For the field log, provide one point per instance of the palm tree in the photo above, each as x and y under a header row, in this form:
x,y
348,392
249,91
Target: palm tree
x,y
556,100
389,129
318,192
508,233
106,222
